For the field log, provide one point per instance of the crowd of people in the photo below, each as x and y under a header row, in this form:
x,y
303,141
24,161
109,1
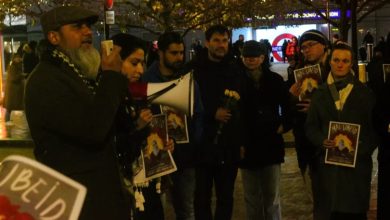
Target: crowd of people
x,y
20,66
86,124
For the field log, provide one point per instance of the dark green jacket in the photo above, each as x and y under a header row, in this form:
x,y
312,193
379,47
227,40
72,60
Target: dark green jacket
x,y
348,188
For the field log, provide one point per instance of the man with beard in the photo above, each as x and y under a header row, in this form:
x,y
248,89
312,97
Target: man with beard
x,y
216,71
168,67
71,112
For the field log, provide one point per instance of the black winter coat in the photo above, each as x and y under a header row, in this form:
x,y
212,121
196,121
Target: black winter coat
x,y
266,107
73,132
213,79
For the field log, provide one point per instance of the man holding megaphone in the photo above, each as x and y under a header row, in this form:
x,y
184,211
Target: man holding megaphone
x,y
168,69
71,111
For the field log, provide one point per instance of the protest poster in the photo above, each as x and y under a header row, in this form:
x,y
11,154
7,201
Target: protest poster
x,y
31,190
308,80
346,137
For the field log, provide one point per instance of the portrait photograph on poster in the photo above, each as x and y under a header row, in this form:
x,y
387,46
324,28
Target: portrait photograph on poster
x,y
157,161
177,124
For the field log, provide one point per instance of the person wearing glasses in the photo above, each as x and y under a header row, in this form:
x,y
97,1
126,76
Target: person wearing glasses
x,y
313,48
345,191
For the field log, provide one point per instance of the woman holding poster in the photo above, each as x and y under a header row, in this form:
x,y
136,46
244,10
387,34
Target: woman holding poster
x,y
339,122
133,129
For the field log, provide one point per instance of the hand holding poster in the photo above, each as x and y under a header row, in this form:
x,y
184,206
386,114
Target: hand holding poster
x,y
157,161
31,190
154,161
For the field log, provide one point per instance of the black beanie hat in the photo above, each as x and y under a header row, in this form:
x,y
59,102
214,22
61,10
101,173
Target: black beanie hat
x,y
253,48
313,35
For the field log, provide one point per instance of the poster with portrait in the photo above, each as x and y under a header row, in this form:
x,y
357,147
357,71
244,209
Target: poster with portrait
x,y
157,161
308,79
346,137
30,190
386,72
177,124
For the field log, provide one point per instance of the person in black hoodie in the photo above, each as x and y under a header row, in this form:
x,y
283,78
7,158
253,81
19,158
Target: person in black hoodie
x,y
267,116
216,71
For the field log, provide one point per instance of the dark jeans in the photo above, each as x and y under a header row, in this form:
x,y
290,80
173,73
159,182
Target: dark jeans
x,y
223,177
383,191
183,192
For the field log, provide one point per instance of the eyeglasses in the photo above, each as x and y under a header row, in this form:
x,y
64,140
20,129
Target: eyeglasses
x,y
308,46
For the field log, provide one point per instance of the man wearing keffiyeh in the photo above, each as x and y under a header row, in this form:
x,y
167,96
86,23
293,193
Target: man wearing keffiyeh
x,y
71,113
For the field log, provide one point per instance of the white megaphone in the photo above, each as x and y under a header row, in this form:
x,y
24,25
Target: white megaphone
x,y
178,93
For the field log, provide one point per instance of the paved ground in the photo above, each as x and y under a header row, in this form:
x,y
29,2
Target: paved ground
x,y
296,203
295,197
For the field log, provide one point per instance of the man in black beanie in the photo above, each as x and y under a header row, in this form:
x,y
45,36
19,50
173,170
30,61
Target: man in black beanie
x,y
314,48
71,113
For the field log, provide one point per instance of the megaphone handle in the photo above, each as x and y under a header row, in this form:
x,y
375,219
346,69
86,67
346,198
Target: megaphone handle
x,y
161,92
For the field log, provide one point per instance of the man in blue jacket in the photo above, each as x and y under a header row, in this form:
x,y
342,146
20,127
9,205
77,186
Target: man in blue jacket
x,y
167,68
